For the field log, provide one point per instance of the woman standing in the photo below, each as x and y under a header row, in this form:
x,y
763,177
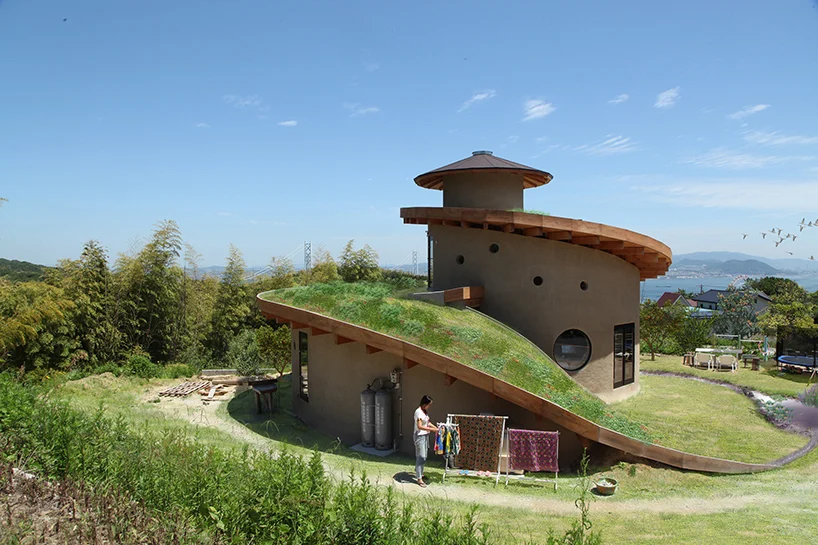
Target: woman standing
x,y
421,436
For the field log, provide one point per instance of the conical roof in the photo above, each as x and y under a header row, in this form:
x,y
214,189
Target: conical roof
x,y
483,161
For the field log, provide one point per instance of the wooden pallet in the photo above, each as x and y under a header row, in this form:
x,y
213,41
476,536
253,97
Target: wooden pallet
x,y
184,389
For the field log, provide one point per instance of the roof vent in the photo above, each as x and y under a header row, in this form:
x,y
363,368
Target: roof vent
x,y
482,152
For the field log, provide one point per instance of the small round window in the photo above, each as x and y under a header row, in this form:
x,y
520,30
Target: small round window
x,y
583,285
494,248
572,350
538,280
460,260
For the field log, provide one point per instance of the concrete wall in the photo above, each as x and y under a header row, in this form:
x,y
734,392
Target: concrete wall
x,y
543,312
339,373
495,190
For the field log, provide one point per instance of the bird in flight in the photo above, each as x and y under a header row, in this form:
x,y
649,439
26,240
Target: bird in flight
x,y
794,237
777,243
779,230
802,227
789,253
812,258
763,235
743,236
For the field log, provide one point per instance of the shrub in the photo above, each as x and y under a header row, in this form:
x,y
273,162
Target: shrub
x,y
242,353
809,396
141,366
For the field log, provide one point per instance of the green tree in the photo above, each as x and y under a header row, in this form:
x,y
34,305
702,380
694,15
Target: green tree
x,y
36,330
658,324
242,353
149,287
274,346
358,265
737,313
324,269
88,283
783,290
232,306
693,332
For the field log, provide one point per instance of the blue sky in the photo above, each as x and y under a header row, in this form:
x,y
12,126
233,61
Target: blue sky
x,y
265,124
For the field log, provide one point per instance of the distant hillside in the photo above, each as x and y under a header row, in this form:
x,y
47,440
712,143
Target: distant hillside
x,y
708,258
21,271
748,266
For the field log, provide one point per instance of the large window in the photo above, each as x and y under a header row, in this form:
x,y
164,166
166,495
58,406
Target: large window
x,y
572,350
303,364
623,369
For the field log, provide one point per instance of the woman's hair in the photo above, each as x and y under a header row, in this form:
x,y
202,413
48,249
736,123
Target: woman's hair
x,y
425,400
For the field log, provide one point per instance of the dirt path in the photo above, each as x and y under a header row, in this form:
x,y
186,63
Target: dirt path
x,y
193,410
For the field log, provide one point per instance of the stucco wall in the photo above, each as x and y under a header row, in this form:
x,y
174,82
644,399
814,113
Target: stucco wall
x,y
495,190
339,373
543,312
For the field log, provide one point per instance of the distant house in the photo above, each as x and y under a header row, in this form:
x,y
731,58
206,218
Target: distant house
x,y
672,298
711,299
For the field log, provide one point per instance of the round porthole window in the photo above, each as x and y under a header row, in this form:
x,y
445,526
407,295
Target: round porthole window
x,y
583,285
460,260
572,350
494,248
538,280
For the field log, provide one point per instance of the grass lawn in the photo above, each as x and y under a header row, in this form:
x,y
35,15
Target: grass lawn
x,y
707,419
768,380
461,334
652,504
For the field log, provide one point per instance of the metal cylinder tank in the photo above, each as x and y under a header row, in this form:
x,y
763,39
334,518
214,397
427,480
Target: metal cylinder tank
x,y
383,420
368,418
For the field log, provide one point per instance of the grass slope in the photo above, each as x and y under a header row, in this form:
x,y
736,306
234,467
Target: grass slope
x,y
707,419
463,335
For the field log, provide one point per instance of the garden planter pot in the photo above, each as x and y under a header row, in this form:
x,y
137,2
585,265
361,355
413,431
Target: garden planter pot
x,y
606,486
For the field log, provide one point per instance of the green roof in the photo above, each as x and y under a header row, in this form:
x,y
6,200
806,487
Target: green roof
x,y
464,335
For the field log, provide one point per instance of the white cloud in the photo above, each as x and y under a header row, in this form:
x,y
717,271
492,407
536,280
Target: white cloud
x,y
535,109
772,195
749,110
725,158
612,145
202,125
778,139
357,109
288,123
621,98
250,101
668,98
477,97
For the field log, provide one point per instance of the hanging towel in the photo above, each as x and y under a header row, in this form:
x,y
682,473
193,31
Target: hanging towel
x,y
479,442
532,450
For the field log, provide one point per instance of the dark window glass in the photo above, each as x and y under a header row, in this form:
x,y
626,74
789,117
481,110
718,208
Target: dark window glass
x,y
583,285
303,364
624,346
538,280
460,260
572,350
494,248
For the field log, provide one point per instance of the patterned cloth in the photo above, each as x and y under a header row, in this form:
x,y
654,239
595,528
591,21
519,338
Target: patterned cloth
x,y
532,450
479,442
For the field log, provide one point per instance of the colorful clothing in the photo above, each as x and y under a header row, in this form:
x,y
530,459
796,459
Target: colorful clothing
x,y
532,450
479,440
447,440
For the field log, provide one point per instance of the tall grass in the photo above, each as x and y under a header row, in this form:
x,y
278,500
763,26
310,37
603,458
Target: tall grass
x,y
243,496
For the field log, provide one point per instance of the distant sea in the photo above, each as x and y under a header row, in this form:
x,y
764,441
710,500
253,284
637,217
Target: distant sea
x,y
655,287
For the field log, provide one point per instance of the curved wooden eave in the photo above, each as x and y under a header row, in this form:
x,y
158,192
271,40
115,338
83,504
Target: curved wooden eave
x,y
413,354
650,256
531,178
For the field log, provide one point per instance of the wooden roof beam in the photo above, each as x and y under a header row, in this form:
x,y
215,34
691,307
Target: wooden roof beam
x,y
315,331
342,340
533,232
631,250
409,363
372,349
559,235
586,240
508,228
449,380
611,245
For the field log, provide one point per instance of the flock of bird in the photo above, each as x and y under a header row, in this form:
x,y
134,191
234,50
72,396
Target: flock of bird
x,y
776,232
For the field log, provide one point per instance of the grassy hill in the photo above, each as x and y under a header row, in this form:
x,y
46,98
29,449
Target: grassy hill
x,y
461,334
21,271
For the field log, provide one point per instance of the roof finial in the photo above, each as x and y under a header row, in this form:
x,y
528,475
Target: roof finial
x,y
482,152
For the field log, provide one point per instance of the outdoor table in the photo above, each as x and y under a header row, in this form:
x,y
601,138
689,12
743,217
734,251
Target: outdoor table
x,y
265,389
